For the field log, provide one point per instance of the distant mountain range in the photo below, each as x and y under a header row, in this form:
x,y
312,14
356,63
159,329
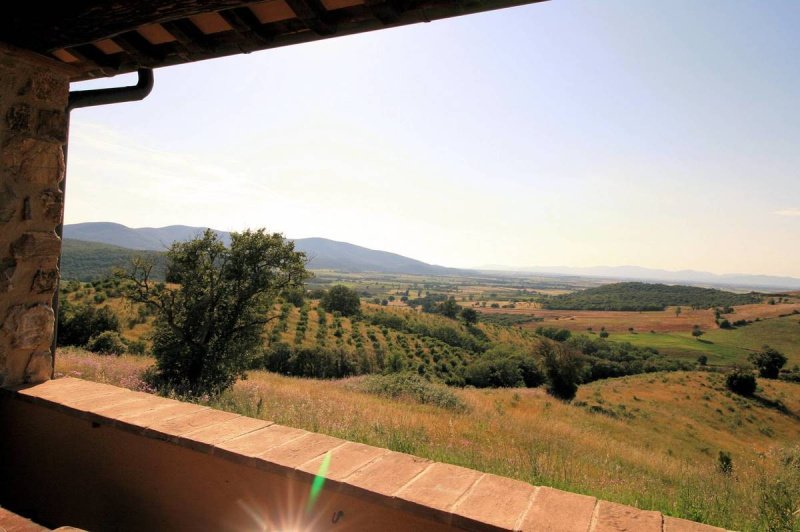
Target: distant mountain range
x,y
638,273
323,254
327,254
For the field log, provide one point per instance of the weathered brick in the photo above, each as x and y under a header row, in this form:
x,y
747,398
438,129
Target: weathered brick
x,y
389,473
495,501
561,511
438,487
38,244
673,524
613,517
34,161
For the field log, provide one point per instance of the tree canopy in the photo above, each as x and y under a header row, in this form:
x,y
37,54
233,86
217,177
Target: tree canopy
x,y
208,327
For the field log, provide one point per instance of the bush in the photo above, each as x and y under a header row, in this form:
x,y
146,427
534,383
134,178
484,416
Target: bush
x,y
768,361
563,368
702,360
603,334
343,299
725,463
137,347
77,323
554,333
107,343
413,387
741,381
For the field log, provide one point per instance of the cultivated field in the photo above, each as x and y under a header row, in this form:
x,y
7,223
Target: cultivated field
x,y
642,321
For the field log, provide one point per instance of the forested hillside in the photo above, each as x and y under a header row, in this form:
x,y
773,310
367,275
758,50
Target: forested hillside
x,y
89,261
646,296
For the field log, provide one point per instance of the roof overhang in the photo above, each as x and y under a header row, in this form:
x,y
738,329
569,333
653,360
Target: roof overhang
x,y
106,38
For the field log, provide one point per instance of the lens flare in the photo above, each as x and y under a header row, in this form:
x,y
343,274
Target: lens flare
x,y
319,482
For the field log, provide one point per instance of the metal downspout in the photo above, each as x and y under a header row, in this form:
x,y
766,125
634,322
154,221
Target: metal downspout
x,y
91,98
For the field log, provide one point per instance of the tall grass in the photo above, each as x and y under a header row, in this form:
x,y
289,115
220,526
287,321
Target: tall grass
x,y
658,451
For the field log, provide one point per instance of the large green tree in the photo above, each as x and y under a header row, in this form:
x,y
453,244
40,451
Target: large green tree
x,y
210,319
342,299
768,361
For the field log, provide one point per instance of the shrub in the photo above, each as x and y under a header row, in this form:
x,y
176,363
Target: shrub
x,y
77,323
412,387
603,334
137,347
343,299
702,360
725,463
107,343
563,368
768,361
741,381
554,333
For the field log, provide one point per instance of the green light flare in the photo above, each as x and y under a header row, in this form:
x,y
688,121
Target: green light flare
x,y
319,481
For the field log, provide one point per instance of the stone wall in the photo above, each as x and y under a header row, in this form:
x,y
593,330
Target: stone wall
x,y
33,134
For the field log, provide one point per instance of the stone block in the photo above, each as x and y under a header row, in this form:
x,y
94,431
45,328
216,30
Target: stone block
x,y
39,244
49,88
52,202
7,268
40,367
19,118
30,327
34,161
44,281
9,203
52,125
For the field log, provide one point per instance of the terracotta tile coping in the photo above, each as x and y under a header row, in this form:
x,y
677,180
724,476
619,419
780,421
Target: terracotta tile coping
x,y
450,494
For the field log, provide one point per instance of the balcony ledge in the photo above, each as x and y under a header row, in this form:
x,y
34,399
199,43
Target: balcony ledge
x,y
363,484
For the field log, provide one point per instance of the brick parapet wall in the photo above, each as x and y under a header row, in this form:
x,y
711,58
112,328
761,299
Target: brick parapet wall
x,y
33,134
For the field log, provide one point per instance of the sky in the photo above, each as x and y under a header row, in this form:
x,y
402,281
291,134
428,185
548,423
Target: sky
x,y
569,132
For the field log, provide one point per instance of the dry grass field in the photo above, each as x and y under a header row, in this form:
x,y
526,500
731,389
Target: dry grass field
x,y
652,441
644,321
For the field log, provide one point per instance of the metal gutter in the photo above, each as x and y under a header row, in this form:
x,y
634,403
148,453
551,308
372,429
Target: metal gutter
x,y
91,98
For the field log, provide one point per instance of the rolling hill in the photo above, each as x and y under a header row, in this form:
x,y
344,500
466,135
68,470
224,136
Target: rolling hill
x,y
323,254
88,261
646,296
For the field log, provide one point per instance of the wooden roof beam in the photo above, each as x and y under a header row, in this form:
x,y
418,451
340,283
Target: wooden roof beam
x,y
314,16
189,36
89,53
142,51
244,22
387,11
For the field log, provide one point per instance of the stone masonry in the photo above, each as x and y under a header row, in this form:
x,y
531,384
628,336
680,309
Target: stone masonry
x,y
33,134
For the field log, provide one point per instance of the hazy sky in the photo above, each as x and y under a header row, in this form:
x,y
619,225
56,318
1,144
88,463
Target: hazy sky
x,y
580,133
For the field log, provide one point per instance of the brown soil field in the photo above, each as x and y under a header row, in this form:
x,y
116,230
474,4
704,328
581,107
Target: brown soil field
x,y
659,321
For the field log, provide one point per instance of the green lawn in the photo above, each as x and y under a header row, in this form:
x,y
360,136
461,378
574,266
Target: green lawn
x,y
726,346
